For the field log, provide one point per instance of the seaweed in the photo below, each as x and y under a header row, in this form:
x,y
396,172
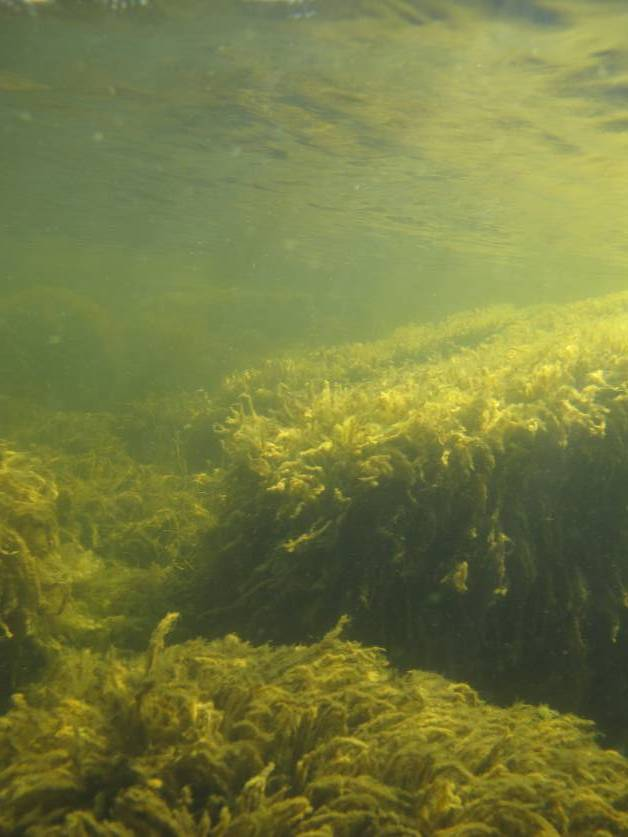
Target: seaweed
x,y
223,738
458,489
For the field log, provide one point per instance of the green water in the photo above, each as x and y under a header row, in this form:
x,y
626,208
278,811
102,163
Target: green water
x,y
190,187
186,188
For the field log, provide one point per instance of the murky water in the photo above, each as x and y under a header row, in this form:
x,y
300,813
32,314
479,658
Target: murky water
x,y
274,173
188,187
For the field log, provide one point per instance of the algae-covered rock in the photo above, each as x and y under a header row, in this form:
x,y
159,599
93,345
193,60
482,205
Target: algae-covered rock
x,y
459,489
223,738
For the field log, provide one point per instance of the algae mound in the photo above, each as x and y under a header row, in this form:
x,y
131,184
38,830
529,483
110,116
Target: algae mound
x,y
223,738
458,489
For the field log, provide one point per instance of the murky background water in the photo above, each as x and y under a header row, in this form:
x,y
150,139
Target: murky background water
x,y
187,187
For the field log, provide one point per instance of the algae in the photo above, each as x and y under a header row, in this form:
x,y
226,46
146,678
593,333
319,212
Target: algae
x,y
458,489
89,537
224,738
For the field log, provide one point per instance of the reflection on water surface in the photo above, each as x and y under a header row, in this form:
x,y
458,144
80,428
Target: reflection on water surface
x,y
362,163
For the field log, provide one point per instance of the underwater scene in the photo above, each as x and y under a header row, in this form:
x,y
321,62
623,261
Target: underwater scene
x,y
313,418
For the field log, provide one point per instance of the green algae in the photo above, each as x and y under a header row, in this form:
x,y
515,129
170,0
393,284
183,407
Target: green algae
x,y
459,490
223,738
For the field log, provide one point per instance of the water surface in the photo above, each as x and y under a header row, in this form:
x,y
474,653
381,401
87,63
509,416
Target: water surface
x,y
224,180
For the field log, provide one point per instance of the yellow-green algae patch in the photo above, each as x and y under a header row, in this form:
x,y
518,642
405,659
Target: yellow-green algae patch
x,y
38,572
222,738
88,538
459,489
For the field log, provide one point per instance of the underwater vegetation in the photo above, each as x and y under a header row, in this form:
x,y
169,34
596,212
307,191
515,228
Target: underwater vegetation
x,y
222,738
459,490
29,561
89,536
